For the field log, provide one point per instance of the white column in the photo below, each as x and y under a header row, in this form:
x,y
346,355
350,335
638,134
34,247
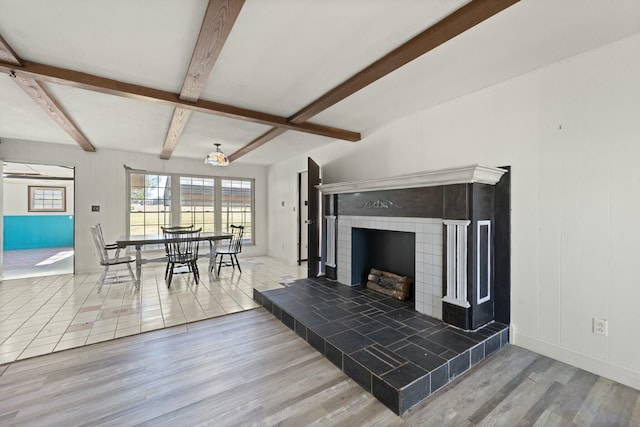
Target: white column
x,y
331,240
456,262
486,226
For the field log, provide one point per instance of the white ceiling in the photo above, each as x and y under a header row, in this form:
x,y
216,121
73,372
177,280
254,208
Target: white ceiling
x,y
23,170
280,56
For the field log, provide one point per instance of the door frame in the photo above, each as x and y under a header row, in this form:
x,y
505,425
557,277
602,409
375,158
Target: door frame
x,y
314,253
301,221
2,207
2,220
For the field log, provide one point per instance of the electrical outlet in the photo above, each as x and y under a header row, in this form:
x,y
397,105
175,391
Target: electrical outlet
x,y
600,326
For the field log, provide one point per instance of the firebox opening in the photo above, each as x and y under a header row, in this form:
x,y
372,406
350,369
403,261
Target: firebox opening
x,y
393,251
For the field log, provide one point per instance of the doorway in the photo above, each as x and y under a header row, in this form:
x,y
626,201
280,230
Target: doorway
x,y
309,223
38,220
303,214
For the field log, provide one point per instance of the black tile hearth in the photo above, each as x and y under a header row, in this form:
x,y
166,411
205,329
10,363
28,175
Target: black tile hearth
x,y
349,341
397,354
421,357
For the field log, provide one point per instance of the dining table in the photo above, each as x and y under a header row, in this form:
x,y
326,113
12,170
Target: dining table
x,y
138,241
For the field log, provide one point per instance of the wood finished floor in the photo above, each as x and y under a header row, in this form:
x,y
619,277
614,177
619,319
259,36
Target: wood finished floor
x,y
250,369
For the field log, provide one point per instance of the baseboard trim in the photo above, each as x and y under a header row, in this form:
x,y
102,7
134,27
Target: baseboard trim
x,y
598,366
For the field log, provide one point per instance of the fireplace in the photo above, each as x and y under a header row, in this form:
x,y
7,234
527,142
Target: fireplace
x,y
449,230
459,221
426,260
392,251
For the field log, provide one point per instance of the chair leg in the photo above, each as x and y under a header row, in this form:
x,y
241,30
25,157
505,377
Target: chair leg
x,y
170,275
166,271
196,272
220,264
236,257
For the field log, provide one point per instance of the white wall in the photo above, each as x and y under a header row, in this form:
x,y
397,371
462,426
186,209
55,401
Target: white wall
x,y
16,196
571,133
100,179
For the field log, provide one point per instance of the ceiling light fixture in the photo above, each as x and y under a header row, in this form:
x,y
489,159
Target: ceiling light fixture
x,y
216,158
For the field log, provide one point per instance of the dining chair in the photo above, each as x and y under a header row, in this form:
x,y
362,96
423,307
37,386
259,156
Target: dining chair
x,y
173,228
103,252
182,250
232,250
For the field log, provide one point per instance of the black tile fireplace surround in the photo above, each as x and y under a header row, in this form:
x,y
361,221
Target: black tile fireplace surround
x,y
395,353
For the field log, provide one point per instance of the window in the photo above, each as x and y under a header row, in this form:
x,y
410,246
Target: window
x,y
150,203
197,202
47,199
158,200
237,206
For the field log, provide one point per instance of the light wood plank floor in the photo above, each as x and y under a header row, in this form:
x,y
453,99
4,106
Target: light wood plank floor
x,y
250,369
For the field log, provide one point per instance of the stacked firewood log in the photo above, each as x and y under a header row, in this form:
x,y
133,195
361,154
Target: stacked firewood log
x,y
395,286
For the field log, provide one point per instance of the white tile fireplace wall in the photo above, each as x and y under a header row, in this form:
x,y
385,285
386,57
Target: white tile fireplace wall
x,y
428,271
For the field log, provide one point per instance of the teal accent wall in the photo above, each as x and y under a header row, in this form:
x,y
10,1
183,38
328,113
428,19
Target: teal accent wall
x,y
37,231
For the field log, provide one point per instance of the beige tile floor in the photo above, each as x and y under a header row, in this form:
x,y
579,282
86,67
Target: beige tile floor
x,y
42,315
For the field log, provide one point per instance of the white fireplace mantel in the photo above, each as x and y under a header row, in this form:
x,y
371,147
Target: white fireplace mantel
x,y
460,175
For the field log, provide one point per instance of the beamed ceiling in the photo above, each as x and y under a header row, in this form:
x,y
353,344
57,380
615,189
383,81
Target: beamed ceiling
x,y
268,79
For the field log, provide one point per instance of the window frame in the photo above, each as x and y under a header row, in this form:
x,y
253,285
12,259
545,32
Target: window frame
x,y
32,198
176,214
131,201
204,211
245,240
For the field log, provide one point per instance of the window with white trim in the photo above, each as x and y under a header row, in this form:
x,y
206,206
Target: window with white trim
x,y
237,206
149,203
47,199
210,203
197,202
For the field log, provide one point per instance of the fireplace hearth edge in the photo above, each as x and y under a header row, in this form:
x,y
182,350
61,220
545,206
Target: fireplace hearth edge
x,y
352,328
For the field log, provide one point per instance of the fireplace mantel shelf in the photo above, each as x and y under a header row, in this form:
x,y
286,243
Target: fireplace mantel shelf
x,y
460,175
